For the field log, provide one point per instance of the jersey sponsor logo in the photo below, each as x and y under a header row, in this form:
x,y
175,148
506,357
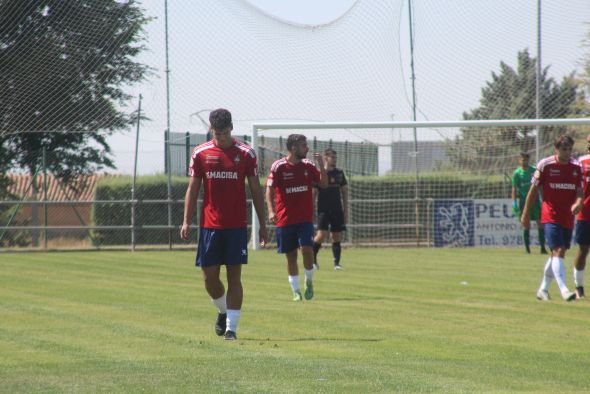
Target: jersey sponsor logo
x,y
288,175
296,189
222,175
554,172
211,159
562,186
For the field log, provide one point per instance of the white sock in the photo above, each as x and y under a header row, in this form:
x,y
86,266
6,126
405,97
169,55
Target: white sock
x,y
308,274
579,278
220,304
559,274
233,318
547,275
294,282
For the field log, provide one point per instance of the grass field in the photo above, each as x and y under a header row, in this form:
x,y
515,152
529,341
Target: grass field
x,y
409,320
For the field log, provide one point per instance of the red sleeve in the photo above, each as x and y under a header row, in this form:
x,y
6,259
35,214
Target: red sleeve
x,y
194,168
251,165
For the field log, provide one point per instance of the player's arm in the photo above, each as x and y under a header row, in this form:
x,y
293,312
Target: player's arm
x,y
525,219
323,183
190,203
514,192
577,207
256,191
272,217
344,193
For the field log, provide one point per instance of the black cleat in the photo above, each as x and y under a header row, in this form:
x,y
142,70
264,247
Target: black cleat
x,y
528,249
230,336
220,324
580,292
543,250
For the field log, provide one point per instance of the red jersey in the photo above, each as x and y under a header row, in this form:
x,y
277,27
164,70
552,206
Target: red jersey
x,y
585,163
558,183
293,186
223,172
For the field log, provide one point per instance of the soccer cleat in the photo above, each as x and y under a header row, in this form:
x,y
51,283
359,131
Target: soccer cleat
x,y
220,324
297,296
543,250
580,292
308,290
230,336
543,295
528,249
568,296
316,266
337,267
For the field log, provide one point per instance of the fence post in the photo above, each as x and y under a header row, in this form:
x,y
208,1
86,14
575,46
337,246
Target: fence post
x,y
44,198
187,144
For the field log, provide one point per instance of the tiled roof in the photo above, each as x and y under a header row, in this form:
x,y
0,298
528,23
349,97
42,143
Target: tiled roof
x,y
80,188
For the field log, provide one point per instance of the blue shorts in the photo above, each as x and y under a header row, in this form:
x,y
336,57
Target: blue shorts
x,y
222,247
582,232
557,236
292,236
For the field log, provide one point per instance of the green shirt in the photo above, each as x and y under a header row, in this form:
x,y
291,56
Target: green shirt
x,y
521,180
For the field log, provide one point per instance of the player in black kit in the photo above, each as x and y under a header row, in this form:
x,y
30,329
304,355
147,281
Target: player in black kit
x,y
332,209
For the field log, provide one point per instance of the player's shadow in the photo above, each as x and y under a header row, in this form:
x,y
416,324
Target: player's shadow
x,y
314,339
346,299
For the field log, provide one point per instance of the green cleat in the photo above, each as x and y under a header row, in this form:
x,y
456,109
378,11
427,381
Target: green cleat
x,y
297,296
308,290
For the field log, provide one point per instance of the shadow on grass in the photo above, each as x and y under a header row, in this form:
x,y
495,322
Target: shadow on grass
x,y
270,340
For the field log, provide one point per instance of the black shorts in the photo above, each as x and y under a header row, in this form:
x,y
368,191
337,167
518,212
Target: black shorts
x,y
331,220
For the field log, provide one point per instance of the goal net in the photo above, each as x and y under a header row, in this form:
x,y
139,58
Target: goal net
x,y
427,183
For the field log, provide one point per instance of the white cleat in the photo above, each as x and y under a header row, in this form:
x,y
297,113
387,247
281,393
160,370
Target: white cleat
x,y
543,295
338,267
569,296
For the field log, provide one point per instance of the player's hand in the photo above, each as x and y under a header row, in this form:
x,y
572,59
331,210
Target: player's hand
x,y
319,159
272,218
576,208
184,231
525,220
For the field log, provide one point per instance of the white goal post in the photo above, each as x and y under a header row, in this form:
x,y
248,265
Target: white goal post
x,y
536,124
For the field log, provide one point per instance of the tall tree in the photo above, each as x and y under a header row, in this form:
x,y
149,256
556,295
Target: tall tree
x,y
63,69
511,94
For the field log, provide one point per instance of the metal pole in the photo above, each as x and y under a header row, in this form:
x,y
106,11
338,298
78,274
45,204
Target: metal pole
x,y
416,188
255,224
45,215
538,83
133,186
168,161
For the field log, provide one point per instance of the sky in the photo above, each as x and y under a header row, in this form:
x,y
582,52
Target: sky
x,y
334,60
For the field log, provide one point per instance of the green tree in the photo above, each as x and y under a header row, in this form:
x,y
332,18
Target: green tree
x,y
511,95
63,69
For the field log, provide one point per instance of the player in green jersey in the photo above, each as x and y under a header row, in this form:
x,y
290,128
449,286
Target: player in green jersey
x,y
521,183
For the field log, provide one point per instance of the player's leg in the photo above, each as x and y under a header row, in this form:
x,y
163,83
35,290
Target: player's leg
x,y
559,240
583,240
287,244
336,248
543,292
305,239
209,259
336,228
526,231
235,255
320,236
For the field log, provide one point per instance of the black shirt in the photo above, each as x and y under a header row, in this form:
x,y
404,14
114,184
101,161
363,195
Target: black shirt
x,y
329,199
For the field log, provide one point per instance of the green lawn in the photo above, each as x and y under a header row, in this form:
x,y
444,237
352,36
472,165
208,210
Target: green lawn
x,y
410,320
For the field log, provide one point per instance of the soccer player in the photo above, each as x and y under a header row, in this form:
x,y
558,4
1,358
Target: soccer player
x,y
521,182
221,166
332,209
582,236
560,179
291,180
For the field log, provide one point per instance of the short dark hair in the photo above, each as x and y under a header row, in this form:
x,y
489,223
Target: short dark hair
x,y
293,139
524,155
220,119
563,139
329,152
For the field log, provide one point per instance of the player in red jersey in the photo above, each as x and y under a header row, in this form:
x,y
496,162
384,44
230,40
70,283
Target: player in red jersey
x,y
222,165
582,236
291,179
560,179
